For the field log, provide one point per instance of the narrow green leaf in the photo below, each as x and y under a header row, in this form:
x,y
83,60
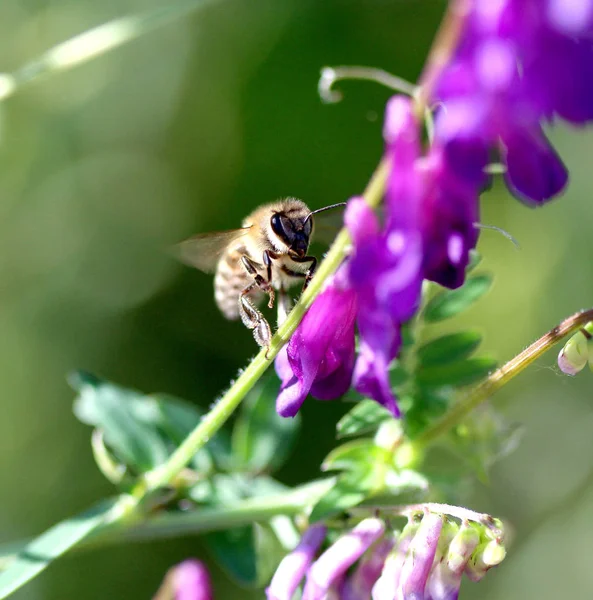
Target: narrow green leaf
x,y
178,419
449,303
249,554
484,438
475,258
234,550
456,374
448,348
426,405
350,489
125,419
364,417
407,485
39,553
355,455
262,439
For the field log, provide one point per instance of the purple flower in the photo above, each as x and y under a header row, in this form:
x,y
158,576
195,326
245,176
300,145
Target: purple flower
x,y
319,358
384,271
386,587
519,63
293,567
445,579
188,580
360,584
449,216
336,560
420,557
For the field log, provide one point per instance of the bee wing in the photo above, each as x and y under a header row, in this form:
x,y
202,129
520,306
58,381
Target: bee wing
x,y
203,251
327,225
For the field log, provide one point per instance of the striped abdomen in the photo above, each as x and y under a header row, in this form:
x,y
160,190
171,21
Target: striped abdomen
x,y
230,280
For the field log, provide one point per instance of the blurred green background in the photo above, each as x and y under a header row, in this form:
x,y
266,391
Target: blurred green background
x,y
187,129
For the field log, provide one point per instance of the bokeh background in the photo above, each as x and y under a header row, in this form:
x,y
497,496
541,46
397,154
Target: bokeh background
x,y
187,129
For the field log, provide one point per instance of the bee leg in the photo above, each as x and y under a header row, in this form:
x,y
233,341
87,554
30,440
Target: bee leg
x,y
260,282
284,305
253,319
310,271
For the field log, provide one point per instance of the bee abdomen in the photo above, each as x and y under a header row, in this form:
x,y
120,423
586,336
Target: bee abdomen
x,y
230,280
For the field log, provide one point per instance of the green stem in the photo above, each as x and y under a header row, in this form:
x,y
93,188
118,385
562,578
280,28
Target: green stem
x,y
502,376
95,42
223,409
204,520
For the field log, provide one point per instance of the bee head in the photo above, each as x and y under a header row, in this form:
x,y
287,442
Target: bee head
x,y
293,230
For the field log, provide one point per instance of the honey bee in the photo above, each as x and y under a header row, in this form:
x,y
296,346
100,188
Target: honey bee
x,y
268,254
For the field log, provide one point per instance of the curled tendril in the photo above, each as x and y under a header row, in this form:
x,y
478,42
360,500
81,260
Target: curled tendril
x,y
331,75
500,230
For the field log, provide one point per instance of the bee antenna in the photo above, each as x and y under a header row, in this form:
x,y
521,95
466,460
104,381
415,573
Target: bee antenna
x,y
314,212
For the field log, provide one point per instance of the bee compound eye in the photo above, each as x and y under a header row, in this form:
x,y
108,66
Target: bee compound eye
x,y
276,224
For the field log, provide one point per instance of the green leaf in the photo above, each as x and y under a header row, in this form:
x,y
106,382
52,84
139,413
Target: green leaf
x,y
350,489
426,404
456,374
126,419
177,419
475,258
262,440
355,455
449,303
484,438
39,553
249,554
407,485
234,550
448,348
364,417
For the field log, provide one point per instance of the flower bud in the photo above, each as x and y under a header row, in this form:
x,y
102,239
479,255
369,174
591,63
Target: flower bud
x,y
461,548
487,554
339,557
293,566
389,435
360,584
189,580
575,354
388,583
420,557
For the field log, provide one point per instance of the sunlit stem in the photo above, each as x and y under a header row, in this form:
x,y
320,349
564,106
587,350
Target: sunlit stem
x,y
331,75
502,376
95,42
443,47
457,512
179,524
223,409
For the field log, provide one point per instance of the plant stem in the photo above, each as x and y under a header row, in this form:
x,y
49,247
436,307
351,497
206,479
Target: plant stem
x,y
502,376
223,409
444,45
167,525
95,42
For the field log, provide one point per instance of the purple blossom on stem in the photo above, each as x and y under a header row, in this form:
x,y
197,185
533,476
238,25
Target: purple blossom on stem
x,y
319,358
519,64
334,562
360,584
387,585
293,567
420,557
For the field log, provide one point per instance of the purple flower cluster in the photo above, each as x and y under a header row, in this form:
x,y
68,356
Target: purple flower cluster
x,y
425,561
427,233
518,64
